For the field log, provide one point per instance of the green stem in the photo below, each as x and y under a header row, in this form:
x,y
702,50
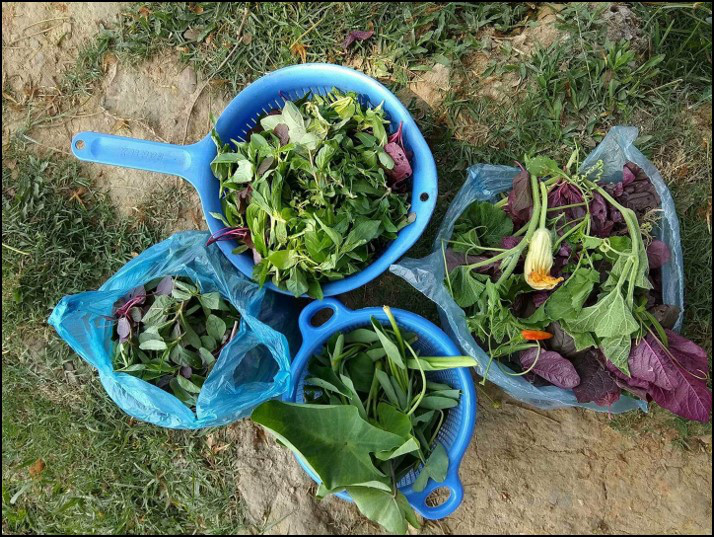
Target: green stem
x,y
517,250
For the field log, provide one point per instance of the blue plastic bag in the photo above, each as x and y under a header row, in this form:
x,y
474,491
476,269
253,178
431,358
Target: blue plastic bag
x,y
253,367
485,182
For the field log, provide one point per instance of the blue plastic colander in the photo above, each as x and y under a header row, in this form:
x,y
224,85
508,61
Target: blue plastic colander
x,y
456,431
192,162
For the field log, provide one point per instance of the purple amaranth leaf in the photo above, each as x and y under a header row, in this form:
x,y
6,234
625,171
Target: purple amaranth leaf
x,y
596,382
551,366
649,362
356,35
684,364
628,176
539,298
138,292
566,193
688,354
281,131
510,241
166,285
123,310
600,213
402,170
123,329
520,198
229,233
658,254
456,259
639,194
609,399
186,372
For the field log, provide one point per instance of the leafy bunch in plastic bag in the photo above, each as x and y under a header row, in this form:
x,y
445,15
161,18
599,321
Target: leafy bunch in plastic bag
x,y
560,280
170,334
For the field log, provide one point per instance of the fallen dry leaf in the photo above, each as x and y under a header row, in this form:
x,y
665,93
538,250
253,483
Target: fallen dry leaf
x,y
144,11
36,468
298,49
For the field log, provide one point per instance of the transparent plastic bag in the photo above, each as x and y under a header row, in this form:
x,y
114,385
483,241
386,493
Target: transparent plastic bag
x,y
485,182
253,367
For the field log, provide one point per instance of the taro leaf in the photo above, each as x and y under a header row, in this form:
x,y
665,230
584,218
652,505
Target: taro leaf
x,y
409,446
332,439
596,383
393,420
123,329
215,327
152,345
391,511
206,356
435,468
211,301
551,366
609,317
187,385
165,286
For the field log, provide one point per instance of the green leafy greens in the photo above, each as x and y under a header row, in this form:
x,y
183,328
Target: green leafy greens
x,y
169,333
371,415
310,192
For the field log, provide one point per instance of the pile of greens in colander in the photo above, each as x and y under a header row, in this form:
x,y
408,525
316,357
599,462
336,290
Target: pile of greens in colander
x,y
370,417
316,191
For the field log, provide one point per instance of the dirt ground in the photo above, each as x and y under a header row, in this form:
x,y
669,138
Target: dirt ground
x,y
526,471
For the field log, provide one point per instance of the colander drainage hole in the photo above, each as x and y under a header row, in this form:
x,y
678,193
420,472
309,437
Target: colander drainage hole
x,y
79,144
438,497
424,196
321,317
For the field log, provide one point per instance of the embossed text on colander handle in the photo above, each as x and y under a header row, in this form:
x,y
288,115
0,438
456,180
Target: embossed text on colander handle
x,y
147,155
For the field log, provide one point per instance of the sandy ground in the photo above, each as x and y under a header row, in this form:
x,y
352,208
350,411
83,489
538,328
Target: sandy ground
x,y
526,471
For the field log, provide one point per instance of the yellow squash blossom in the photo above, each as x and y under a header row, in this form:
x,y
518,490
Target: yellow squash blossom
x,y
539,261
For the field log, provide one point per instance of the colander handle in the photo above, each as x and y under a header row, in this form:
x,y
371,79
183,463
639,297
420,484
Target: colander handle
x,y
306,327
456,495
159,157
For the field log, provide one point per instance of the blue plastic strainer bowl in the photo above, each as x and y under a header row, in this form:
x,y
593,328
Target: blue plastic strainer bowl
x,y
192,162
458,428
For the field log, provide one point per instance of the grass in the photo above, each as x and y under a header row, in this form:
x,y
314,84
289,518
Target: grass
x,y
105,472
125,476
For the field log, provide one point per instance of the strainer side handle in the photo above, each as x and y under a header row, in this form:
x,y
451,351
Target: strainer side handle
x,y
182,160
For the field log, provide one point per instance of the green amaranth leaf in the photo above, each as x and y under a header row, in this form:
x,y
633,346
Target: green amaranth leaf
x,y
215,327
